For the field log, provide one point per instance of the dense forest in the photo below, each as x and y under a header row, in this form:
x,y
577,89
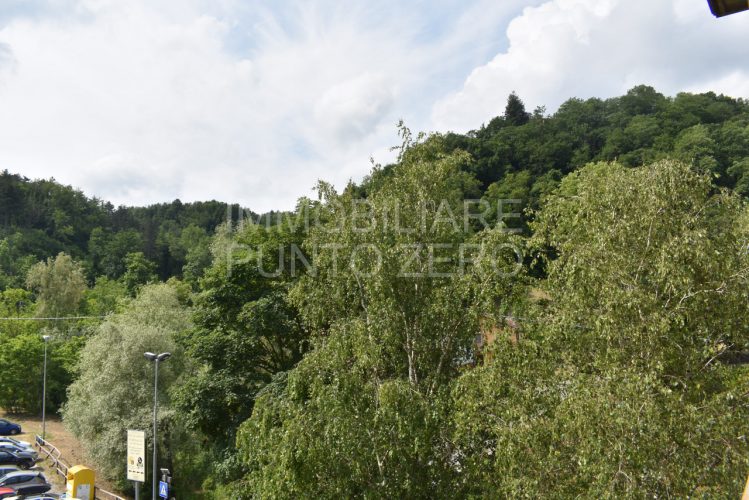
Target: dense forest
x,y
41,218
549,305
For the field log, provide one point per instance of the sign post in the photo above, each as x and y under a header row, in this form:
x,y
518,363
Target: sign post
x,y
165,484
136,459
163,489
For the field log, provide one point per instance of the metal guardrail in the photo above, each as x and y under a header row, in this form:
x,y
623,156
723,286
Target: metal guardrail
x,y
51,452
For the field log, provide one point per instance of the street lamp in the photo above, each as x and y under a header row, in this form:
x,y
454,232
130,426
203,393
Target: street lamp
x,y
44,390
155,358
721,8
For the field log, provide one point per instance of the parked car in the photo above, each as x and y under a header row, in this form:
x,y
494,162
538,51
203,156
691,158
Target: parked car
x,y
8,457
44,496
8,428
24,444
21,452
30,452
26,482
6,493
7,469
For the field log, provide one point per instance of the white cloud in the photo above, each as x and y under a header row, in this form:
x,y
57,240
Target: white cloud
x,y
582,48
354,107
148,100
138,107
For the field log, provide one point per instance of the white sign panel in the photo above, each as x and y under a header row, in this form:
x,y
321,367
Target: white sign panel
x,y
136,456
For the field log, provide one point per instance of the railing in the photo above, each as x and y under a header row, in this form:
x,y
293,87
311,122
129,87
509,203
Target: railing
x,y
48,450
51,452
100,494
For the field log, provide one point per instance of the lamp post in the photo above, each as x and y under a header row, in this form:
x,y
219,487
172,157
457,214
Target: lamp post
x,y
721,8
156,358
44,390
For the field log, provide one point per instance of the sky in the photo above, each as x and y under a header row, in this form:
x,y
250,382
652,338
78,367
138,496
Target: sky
x,y
252,102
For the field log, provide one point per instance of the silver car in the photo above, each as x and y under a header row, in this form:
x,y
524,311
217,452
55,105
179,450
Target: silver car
x,y
26,482
44,496
7,469
22,444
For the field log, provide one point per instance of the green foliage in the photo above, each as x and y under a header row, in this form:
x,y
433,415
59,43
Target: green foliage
x,y
59,285
138,271
195,244
695,145
62,366
13,265
638,128
63,215
531,426
114,391
15,303
362,414
335,430
740,171
341,358
21,357
41,218
508,198
245,328
109,251
515,113
650,271
104,297
613,390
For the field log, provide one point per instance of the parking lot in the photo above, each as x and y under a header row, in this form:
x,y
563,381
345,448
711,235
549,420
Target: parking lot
x,y
61,438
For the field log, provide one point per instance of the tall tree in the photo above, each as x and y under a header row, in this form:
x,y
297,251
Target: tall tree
x,y
246,329
515,112
616,388
114,391
363,414
139,271
655,257
59,285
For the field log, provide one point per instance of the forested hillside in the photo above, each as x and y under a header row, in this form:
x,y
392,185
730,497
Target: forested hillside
x,y
41,218
517,155
547,306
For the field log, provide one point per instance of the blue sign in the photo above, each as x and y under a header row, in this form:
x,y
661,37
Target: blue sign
x,y
163,489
